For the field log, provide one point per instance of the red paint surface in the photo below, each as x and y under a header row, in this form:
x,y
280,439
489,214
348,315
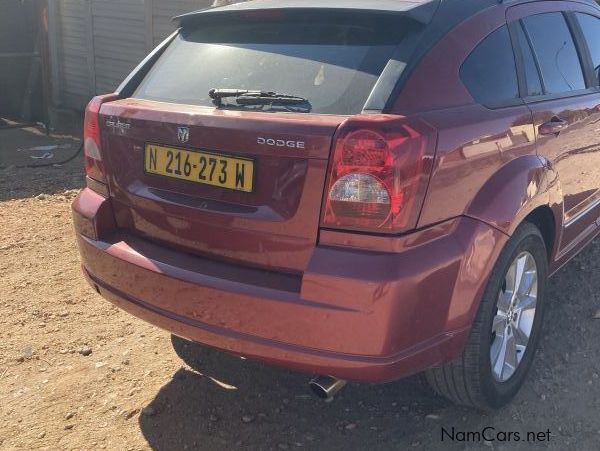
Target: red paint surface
x,y
254,274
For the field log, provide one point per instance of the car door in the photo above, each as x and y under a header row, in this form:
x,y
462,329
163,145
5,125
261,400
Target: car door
x,y
565,107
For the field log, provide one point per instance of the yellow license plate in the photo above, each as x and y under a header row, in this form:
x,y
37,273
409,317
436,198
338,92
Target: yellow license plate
x,y
200,167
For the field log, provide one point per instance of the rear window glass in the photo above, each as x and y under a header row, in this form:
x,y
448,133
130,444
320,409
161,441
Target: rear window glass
x,y
333,63
490,73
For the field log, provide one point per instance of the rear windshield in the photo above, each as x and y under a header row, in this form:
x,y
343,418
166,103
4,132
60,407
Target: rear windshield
x,y
333,62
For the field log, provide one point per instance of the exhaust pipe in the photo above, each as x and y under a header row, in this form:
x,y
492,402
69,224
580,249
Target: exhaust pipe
x,y
325,387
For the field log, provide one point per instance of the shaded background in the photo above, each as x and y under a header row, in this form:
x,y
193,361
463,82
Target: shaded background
x,y
55,55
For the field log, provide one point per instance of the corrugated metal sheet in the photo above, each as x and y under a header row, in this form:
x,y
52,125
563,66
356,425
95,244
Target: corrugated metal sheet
x,y
73,84
99,42
119,36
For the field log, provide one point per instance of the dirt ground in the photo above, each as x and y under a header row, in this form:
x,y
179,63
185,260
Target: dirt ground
x,y
76,373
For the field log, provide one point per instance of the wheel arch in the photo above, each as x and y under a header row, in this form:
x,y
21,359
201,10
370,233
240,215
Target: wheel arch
x,y
526,189
544,219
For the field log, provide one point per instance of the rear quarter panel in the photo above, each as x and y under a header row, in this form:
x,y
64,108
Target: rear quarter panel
x,y
486,163
435,84
475,144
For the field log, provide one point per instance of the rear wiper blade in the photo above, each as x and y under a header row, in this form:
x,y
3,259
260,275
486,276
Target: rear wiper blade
x,y
220,93
268,100
250,97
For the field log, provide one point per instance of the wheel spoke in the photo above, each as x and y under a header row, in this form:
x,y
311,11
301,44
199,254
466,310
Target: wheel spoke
x,y
500,359
526,322
498,324
504,299
511,278
526,303
521,336
528,283
511,354
520,265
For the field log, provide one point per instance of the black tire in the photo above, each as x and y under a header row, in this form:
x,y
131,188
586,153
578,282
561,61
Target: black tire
x,y
468,380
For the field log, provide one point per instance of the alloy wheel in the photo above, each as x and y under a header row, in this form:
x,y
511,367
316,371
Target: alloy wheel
x,y
515,314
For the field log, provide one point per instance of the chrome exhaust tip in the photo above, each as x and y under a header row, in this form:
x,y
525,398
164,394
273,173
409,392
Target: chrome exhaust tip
x,y
325,387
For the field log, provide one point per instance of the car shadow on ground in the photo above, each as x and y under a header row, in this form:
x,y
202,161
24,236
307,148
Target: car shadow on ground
x,y
230,403
235,403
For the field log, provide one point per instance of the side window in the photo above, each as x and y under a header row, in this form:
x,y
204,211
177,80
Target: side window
x,y
590,26
556,53
532,75
489,73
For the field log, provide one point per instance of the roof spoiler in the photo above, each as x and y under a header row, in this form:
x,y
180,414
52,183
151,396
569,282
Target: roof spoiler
x,y
421,11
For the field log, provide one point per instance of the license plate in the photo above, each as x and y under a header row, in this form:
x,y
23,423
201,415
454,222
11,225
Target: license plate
x,y
200,167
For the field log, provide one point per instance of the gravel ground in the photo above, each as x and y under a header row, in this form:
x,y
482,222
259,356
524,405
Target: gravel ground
x,y
76,373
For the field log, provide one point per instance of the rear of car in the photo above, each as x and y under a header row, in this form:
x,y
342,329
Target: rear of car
x,y
250,188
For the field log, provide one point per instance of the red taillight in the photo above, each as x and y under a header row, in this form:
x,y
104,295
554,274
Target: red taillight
x,y
92,148
377,174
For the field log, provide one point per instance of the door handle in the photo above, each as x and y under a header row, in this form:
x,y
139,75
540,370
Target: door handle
x,y
553,127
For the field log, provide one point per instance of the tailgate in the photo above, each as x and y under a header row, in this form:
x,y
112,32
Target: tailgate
x,y
270,219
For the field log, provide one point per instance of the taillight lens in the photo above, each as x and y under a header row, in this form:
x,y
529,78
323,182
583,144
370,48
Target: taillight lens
x,y
92,148
378,174
360,195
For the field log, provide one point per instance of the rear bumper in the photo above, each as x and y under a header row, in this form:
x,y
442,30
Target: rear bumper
x,y
353,314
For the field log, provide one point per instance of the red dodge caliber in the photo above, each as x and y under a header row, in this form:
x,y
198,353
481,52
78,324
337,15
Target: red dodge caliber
x,y
359,190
